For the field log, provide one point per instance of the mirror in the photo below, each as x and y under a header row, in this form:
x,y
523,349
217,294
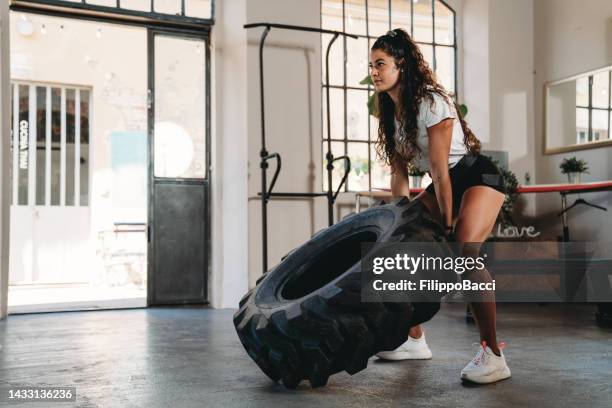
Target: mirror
x,y
578,112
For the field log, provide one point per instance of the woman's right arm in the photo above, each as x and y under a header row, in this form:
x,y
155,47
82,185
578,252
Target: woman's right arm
x,y
399,181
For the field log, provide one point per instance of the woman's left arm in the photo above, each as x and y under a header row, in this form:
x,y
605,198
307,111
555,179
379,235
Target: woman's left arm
x,y
439,137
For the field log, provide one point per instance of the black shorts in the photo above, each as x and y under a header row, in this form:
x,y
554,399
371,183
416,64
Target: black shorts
x,y
472,170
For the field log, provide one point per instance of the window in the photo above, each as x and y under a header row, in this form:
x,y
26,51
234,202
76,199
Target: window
x,y
353,131
172,9
593,107
50,145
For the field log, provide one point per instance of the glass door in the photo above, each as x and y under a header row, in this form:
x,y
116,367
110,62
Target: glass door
x,y
179,202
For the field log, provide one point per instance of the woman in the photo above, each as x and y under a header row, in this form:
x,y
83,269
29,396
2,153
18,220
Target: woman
x,y
419,124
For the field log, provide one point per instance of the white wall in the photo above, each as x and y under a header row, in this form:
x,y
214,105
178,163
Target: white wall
x,y
498,82
475,51
292,76
570,38
229,274
5,132
511,89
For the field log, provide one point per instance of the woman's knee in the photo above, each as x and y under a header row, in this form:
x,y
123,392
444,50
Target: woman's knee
x,y
469,232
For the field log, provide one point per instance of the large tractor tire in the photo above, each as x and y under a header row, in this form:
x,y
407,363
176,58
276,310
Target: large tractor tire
x,y
305,318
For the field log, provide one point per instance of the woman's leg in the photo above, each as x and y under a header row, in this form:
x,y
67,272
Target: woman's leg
x,y
480,206
416,331
432,205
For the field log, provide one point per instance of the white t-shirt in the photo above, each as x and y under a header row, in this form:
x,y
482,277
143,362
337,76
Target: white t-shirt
x,y
430,115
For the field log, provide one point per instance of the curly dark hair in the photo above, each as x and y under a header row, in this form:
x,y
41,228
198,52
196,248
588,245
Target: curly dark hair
x,y
417,81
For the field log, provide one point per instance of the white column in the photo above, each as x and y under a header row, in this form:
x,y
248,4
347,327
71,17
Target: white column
x,y
476,71
5,134
229,275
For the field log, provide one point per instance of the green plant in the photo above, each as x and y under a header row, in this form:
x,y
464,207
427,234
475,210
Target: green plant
x,y
511,183
368,81
574,165
415,171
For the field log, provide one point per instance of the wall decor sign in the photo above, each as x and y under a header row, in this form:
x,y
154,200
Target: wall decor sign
x,y
23,144
514,232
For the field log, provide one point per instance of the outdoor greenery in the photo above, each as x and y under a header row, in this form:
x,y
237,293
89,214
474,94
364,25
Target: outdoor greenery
x,y
360,166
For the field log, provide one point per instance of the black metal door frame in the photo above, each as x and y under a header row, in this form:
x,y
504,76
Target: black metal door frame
x,y
179,33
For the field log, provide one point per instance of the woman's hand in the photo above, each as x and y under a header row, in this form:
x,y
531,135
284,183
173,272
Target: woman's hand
x,y
449,233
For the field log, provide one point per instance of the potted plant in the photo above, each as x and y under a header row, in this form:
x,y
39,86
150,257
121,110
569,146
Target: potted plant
x,y
368,81
416,176
511,184
574,167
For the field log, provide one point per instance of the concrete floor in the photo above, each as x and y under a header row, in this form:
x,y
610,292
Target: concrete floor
x,y
191,357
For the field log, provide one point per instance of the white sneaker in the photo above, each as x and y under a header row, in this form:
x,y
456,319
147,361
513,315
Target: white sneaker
x,y
486,367
411,349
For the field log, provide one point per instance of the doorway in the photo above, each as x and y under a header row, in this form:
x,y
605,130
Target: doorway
x,y
88,184
180,189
